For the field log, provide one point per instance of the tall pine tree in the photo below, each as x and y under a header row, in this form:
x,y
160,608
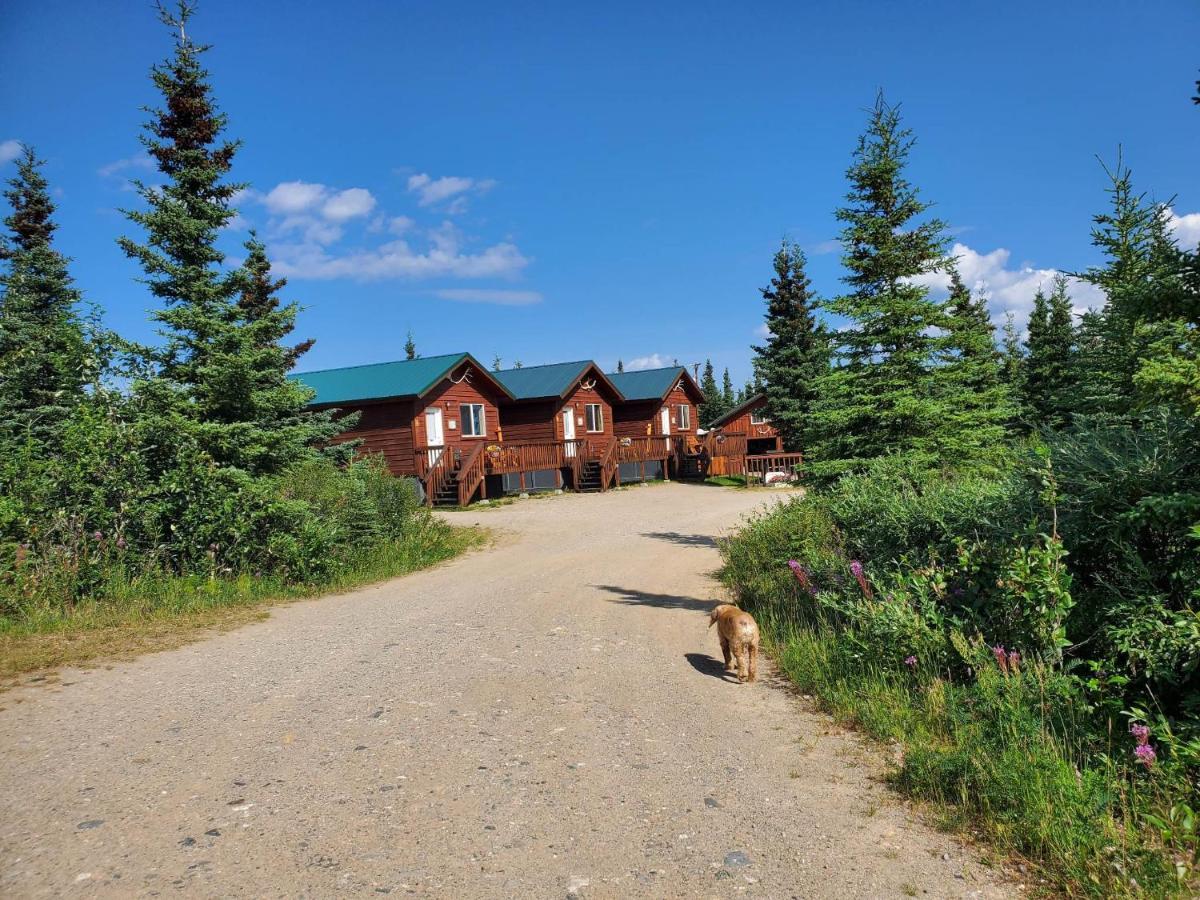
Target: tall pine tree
x,y
218,376
977,402
410,347
46,357
713,406
882,397
1049,370
728,397
796,352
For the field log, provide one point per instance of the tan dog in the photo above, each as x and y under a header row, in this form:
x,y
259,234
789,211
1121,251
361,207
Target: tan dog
x,y
739,639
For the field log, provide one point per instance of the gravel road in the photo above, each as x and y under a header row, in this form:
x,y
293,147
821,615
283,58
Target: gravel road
x,y
544,718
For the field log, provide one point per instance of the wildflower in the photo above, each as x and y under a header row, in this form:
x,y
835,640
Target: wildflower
x,y
1014,660
1001,657
910,661
856,569
98,535
1145,754
1141,734
802,576
121,543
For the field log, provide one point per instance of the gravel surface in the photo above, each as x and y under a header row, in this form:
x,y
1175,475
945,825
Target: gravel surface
x,y
544,718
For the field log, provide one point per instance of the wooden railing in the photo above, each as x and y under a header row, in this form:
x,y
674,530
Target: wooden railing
x,y
720,443
533,456
434,467
610,465
643,449
763,464
470,474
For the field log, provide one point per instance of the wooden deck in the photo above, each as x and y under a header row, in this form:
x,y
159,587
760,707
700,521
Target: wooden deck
x,y
456,476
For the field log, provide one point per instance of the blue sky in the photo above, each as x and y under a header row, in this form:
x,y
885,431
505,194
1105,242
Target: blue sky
x,y
565,181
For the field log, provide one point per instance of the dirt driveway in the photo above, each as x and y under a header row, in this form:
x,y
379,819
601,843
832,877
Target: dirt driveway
x,y
545,718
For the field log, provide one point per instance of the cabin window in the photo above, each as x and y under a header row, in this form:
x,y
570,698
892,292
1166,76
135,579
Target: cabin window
x,y
685,417
473,422
758,417
595,417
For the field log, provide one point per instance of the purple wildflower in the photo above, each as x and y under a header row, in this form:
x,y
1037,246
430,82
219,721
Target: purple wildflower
x,y
856,569
1014,660
910,661
1145,754
802,576
1001,657
1141,734
98,535
121,543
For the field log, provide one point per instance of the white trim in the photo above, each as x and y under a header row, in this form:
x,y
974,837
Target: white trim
x,y
599,418
467,414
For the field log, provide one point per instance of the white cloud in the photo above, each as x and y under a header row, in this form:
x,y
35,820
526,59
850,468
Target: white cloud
x,y
432,191
1186,228
399,259
498,297
400,224
9,150
348,204
653,361
1008,288
141,161
763,331
291,197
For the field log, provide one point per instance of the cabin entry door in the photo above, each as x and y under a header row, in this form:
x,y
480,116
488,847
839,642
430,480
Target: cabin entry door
x,y
568,417
435,436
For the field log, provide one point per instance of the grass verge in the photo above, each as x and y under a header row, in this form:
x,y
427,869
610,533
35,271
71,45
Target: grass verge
x,y
156,611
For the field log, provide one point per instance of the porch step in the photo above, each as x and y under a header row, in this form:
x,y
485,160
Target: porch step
x,y
589,478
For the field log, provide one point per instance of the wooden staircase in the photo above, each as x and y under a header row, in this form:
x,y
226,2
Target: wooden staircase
x,y
590,477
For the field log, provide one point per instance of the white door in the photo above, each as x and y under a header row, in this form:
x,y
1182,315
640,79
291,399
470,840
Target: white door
x,y
569,430
435,437
665,415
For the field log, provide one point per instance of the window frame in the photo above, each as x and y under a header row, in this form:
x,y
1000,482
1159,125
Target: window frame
x,y
587,418
759,417
466,413
684,412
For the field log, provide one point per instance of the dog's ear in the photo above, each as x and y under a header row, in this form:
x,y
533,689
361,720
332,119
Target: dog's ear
x,y
712,616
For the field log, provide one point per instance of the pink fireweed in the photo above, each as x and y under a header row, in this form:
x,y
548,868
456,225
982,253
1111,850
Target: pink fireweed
x,y
1145,754
1014,661
910,661
856,569
802,576
1141,733
1001,657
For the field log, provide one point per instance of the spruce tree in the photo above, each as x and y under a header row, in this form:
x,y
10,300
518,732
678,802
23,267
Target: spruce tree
x,y
218,376
620,365
882,395
728,398
712,407
796,352
1050,369
1011,356
46,357
976,400
410,347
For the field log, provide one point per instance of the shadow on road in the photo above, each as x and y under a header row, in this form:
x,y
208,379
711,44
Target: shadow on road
x,y
663,601
684,540
707,665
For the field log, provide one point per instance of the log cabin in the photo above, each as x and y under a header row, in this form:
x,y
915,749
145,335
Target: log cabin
x,y
657,420
749,418
568,403
422,415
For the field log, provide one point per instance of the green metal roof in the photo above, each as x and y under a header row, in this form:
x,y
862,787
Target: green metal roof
x,y
648,384
402,378
553,380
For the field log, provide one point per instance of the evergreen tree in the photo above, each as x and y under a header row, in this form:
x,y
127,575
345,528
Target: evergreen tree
x,y
496,362
1140,262
728,398
1011,357
713,406
1050,370
46,357
620,365
796,353
218,377
410,347
976,400
882,396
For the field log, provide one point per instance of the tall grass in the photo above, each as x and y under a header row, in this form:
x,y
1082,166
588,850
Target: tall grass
x,y
1017,751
